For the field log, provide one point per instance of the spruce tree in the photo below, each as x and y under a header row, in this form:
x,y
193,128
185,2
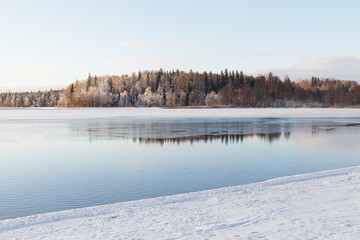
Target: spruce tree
x,y
95,81
88,82
242,78
164,95
206,82
110,84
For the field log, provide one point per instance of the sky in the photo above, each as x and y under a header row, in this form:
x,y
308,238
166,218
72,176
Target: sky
x,y
49,44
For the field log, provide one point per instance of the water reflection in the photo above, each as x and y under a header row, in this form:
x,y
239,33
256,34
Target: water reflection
x,y
225,138
159,131
179,131
333,128
50,165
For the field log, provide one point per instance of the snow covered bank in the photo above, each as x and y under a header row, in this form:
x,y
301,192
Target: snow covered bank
x,y
316,205
90,113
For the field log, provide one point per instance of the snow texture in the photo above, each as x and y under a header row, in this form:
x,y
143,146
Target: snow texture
x,y
91,113
310,206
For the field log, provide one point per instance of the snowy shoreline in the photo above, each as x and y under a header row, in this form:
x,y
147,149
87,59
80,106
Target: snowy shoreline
x,y
94,113
314,205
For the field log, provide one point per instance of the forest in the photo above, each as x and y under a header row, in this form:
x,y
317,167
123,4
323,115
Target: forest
x,y
191,89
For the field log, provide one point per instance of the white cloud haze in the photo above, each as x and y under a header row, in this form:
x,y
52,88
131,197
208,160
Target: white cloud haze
x,y
338,67
153,43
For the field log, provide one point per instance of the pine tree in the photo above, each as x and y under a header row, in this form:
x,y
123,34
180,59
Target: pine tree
x,y
148,79
222,79
232,79
206,82
242,78
95,81
187,92
88,82
237,80
157,81
164,95
110,84
226,75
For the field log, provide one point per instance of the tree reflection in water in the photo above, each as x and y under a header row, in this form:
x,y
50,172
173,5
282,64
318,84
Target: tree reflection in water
x,y
224,138
177,131
180,131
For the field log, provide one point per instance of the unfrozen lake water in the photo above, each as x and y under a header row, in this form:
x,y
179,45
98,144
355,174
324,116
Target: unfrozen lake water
x,y
51,165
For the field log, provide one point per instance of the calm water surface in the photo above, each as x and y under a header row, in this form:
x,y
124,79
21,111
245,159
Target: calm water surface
x,y
56,165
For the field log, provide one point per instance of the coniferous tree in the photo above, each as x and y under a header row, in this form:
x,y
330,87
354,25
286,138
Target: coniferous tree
x,y
242,78
111,86
206,83
173,88
164,95
95,81
88,82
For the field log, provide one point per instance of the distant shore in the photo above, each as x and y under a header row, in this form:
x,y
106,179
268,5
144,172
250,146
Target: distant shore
x,y
188,107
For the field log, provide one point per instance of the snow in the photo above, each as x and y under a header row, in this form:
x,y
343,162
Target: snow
x,y
91,113
315,205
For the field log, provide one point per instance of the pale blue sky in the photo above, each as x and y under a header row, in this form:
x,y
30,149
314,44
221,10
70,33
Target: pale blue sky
x,y
52,43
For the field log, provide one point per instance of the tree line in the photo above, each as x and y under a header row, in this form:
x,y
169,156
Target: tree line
x,y
30,99
179,88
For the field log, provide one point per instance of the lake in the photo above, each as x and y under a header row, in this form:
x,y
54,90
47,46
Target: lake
x,y
57,164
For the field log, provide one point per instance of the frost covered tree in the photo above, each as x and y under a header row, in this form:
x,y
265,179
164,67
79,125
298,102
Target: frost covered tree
x,y
179,88
213,99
